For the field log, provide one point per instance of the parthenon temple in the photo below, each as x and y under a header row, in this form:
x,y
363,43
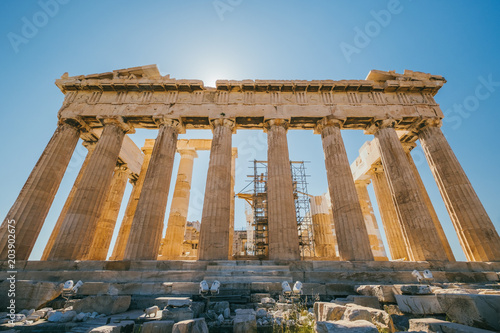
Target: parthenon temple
x,y
104,109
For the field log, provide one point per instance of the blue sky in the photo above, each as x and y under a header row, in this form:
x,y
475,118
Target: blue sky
x,y
244,39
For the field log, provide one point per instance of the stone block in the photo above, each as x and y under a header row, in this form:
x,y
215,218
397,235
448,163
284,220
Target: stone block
x,y
419,304
368,301
436,325
339,289
191,326
473,310
257,297
173,302
126,326
198,308
219,307
33,295
67,316
332,311
160,326
381,319
177,314
415,289
244,323
384,293
342,326
103,304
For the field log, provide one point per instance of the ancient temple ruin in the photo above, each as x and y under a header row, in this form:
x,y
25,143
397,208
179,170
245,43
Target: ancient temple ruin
x,y
101,109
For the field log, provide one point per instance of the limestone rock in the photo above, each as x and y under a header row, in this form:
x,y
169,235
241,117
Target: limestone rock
x,y
473,310
379,318
160,326
124,326
82,316
177,314
55,316
257,298
33,295
419,304
67,316
416,290
436,325
103,304
384,293
261,313
227,313
244,323
198,308
219,307
173,302
342,326
191,326
324,311
368,301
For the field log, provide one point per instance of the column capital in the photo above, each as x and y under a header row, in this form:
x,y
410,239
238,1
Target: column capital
x,y
117,121
171,122
268,123
90,145
363,182
377,124
408,146
376,168
428,122
327,122
187,152
226,122
76,122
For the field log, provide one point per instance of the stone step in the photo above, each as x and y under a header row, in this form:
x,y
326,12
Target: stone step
x,y
257,268
247,279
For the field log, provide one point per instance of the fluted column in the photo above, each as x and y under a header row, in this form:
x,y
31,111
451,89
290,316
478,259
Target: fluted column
x,y
476,232
107,221
376,243
33,203
75,237
390,220
282,220
90,147
439,228
147,226
124,232
420,232
352,236
324,242
234,155
176,227
215,219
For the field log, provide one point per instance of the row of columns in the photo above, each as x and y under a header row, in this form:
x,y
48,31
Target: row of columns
x,y
100,184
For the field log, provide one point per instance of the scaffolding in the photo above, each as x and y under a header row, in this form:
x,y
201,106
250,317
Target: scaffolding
x,y
257,199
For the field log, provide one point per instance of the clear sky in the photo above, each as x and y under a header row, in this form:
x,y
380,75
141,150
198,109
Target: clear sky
x,y
252,39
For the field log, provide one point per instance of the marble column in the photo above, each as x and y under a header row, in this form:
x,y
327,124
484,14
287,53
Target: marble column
x,y
107,221
352,236
31,207
418,227
137,182
234,155
439,228
281,215
390,220
55,231
215,219
75,237
324,242
147,226
376,243
176,227
476,232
